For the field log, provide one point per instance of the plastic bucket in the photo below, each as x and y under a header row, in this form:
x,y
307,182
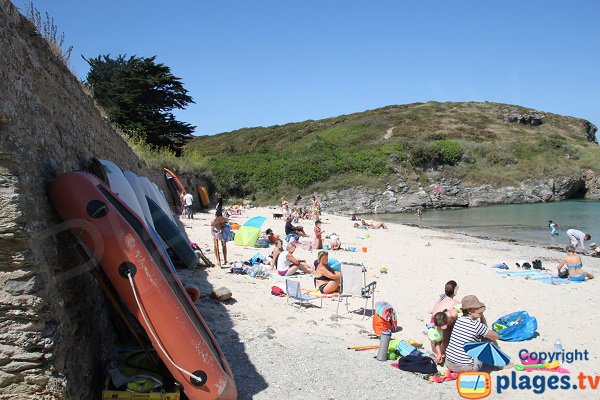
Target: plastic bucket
x,y
325,247
364,249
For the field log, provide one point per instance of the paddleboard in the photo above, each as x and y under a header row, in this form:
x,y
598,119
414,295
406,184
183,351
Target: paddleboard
x,y
203,194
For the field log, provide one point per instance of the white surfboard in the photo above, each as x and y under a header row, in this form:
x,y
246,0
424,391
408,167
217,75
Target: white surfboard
x,y
140,194
121,187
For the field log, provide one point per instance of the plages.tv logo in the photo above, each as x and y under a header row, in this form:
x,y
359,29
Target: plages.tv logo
x,y
474,385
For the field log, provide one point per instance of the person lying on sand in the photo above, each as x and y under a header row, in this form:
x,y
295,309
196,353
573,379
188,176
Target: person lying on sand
x,y
335,243
575,265
443,315
471,327
326,279
287,264
374,225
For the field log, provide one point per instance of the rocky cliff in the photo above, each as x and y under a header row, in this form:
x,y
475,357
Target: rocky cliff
x,y
448,193
53,320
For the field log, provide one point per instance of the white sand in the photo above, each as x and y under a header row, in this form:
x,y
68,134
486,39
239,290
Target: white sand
x,y
279,351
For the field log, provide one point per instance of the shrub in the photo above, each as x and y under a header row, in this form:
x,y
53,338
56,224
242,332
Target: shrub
x,y
451,151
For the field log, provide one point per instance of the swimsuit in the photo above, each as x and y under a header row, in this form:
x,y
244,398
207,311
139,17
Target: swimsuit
x,y
324,278
575,266
578,278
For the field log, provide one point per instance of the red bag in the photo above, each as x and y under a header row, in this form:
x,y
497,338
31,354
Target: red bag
x,y
277,291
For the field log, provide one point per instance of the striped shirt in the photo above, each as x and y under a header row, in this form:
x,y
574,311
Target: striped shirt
x,y
465,330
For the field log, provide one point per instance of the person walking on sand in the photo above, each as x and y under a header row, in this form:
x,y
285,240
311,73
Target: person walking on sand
x,y
318,235
575,266
188,200
578,238
217,230
419,215
552,226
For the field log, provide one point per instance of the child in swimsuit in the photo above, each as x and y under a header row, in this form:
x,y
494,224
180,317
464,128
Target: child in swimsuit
x,y
318,235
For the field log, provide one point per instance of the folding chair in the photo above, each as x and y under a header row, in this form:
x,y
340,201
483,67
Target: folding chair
x,y
354,284
293,291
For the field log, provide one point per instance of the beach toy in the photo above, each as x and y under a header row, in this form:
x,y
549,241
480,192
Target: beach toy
x,y
325,247
383,270
548,365
364,249
367,236
415,343
435,334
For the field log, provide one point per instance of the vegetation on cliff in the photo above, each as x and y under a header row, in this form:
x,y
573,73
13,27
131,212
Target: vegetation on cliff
x,y
470,141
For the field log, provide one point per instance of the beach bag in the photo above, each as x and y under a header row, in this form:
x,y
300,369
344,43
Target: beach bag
x,y
384,318
277,291
262,243
537,264
418,363
515,327
563,273
257,259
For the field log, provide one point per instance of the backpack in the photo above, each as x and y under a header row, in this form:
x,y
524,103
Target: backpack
x,y
563,273
384,318
418,363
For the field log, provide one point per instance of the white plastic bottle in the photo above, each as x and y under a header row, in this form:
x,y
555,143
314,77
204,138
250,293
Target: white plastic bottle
x,y
558,346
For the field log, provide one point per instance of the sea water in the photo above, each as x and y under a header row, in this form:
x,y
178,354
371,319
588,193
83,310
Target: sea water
x,y
523,223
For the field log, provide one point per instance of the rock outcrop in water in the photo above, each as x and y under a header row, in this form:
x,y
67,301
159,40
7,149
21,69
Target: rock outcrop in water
x,y
453,193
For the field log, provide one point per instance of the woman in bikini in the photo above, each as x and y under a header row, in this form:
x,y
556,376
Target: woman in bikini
x,y
575,266
326,279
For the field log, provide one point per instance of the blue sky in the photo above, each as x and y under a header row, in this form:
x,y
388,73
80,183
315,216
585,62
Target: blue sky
x,y
259,63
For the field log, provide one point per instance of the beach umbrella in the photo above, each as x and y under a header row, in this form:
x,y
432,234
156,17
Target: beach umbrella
x,y
487,353
249,232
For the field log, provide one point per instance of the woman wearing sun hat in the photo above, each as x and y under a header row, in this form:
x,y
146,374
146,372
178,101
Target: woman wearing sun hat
x,y
471,327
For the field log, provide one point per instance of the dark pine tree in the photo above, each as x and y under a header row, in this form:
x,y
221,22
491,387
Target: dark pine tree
x,y
138,94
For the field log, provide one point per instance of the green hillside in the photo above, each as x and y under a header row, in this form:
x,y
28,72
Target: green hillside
x,y
470,141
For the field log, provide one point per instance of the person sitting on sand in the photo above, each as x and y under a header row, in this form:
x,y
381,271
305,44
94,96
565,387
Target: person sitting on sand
x,y
327,280
443,315
270,236
471,327
578,238
353,217
287,264
318,235
276,253
291,229
335,243
575,266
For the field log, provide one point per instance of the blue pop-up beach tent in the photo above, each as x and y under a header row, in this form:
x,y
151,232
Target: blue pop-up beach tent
x,y
249,232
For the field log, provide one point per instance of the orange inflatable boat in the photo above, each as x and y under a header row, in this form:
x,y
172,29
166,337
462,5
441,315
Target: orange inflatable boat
x,y
146,285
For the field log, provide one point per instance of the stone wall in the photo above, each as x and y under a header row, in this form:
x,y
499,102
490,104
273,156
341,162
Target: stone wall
x,y
53,320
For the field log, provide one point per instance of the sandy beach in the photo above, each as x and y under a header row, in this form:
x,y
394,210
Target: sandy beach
x,y
281,351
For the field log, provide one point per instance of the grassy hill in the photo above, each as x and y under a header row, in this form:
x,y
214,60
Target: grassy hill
x,y
470,141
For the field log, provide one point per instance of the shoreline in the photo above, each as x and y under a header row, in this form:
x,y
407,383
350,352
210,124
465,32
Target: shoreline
x,y
277,350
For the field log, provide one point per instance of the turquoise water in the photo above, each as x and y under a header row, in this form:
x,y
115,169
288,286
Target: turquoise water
x,y
518,222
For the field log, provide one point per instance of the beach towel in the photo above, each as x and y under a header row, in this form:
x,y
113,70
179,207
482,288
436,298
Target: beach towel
x,y
515,327
551,280
529,272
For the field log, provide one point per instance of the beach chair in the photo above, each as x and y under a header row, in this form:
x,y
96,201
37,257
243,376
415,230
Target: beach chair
x,y
354,284
293,291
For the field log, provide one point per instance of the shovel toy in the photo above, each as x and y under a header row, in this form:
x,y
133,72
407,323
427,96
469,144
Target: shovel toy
x,y
549,365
